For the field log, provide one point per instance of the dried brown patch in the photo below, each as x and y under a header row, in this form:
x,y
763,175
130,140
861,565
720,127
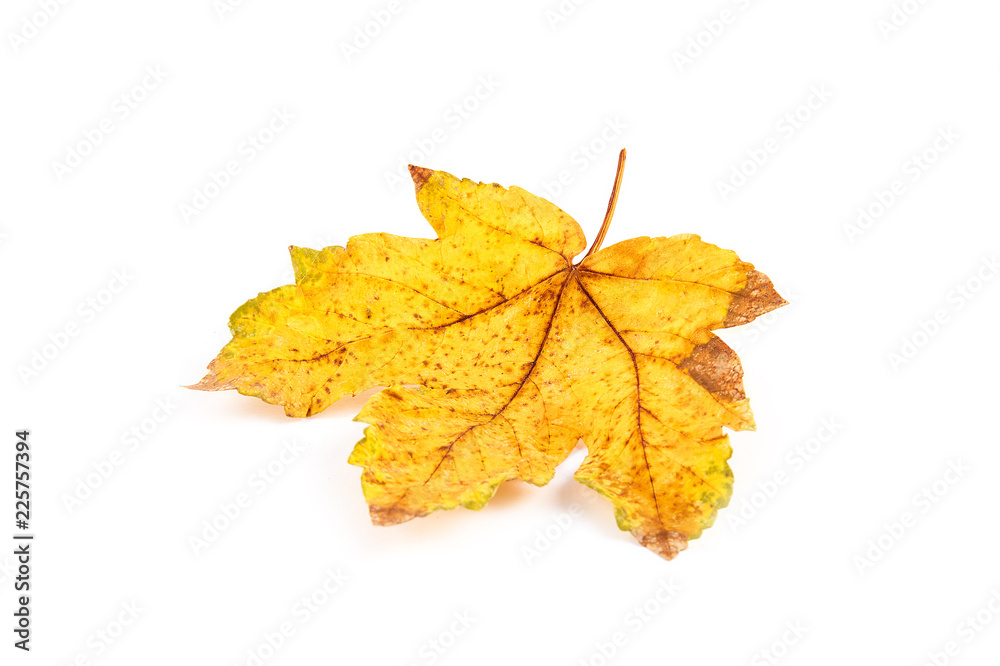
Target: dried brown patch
x,y
716,366
667,544
390,515
756,298
419,175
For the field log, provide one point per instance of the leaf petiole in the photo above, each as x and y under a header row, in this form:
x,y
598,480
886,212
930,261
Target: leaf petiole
x,y
611,206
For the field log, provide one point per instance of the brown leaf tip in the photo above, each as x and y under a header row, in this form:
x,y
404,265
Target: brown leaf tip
x,y
716,367
756,298
419,175
211,382
390,515
667,544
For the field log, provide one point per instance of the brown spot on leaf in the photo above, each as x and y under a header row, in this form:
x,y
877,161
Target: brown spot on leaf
x,y
716,367
756,298
667,544
419,175
390,515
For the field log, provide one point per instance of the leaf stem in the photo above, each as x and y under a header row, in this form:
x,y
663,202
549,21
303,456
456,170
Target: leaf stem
x,y
611,206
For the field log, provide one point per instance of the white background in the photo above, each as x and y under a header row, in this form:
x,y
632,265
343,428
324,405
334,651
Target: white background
x,y
827,551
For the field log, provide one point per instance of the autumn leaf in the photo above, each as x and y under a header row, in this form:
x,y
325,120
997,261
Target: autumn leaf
x,y
500,354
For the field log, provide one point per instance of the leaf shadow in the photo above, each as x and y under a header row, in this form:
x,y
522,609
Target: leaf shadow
x,y
239,406
509,493
594,509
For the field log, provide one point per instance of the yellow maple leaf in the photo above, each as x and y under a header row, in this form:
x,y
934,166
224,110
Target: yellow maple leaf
x,y
500,354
